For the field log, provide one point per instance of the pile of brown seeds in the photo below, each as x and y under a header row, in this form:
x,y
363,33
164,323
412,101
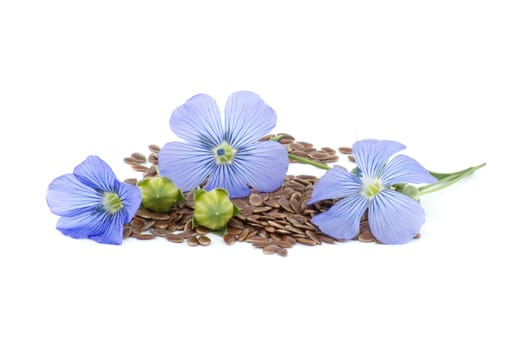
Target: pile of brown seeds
x,y
273,222
305,149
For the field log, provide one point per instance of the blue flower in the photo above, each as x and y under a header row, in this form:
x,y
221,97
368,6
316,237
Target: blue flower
x,y
92,203
227,155
394,218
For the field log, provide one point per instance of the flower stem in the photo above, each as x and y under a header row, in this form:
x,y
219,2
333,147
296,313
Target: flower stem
x,y
301,159
445,180
308,161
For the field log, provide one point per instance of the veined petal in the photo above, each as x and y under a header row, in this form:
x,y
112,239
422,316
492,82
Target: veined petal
x,y
247,118
67,196
336,183
96,173
371,155
187,165
113,230
131,199
342,220
395,218
198,121
404,169
225,176
261,165
85,224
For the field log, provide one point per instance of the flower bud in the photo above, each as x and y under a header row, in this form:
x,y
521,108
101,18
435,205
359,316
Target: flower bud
x,y
159,193
213,209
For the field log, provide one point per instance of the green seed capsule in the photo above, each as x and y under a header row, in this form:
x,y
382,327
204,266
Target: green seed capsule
x,y
213,209
159,193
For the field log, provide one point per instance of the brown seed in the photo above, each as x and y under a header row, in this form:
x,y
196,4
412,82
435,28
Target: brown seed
x,y
351,158
192,241
266,138
270,249
332,159
282,251
229,238
148,225
152,158
139,167
154,148
130,160
284,243
234,231
161,224
318,155
204,240
328,150
326,239
306,241
300,153
159,216
137,222
159,232
236,223
201,230
285,204
175,238
131,181
285,141
273,203
262,209
127,232
144,237
255,200
345,150
244,234
366,236
139,157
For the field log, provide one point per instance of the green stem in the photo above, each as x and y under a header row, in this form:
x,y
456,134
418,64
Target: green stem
x,y
445,180
308,161
301,159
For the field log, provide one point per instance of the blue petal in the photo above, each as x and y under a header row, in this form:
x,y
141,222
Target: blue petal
x,y
395,218
335,183
247,118
187,165
96,173
404,169
131,198
90,222
262,165
95,225
113,231
371,155
342,220
198,121
225,176
67,196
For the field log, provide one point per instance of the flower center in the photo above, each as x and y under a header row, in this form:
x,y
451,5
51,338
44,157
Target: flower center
x,y
111,202
371,187
224,153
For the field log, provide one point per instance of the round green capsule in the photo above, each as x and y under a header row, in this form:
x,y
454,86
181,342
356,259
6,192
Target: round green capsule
x,y
213,209
159,193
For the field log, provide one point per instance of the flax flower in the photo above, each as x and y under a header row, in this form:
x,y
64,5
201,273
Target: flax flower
x,y
92,203
394,217
226,154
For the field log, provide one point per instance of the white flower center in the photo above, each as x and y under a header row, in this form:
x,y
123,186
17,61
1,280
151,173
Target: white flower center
x,y
224,153
111,202
371,186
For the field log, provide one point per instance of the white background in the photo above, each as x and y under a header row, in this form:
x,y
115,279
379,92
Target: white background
x,y
446,78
